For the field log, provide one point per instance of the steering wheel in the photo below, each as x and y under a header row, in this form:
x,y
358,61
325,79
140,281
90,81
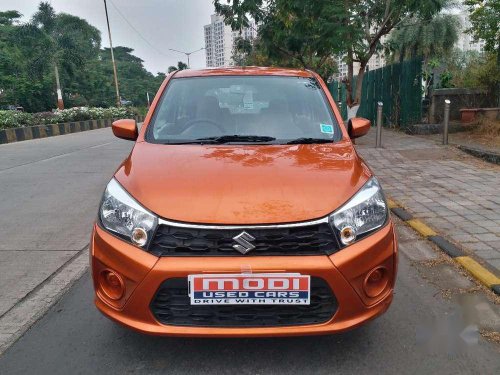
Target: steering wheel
x,y
190,123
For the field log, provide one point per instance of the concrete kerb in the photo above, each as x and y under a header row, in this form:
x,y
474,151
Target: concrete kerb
x,y
52,130
15,322
489,156
449,248
476,270
402,213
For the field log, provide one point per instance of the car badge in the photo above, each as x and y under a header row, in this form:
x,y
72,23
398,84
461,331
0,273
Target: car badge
x,y
244,244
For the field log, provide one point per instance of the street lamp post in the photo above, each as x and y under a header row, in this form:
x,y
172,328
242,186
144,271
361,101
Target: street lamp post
x,y
118,101
186,53
446,121
378,139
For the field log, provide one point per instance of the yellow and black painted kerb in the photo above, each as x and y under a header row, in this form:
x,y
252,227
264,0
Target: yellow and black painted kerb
x,y
51,130
480,273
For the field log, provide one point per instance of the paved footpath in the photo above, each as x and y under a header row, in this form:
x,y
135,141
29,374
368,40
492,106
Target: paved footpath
x,y
456,194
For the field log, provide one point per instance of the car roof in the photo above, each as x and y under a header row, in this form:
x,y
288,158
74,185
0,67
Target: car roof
x,y
243,71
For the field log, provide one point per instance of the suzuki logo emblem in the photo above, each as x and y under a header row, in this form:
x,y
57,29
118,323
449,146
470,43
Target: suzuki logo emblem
x,y
244,245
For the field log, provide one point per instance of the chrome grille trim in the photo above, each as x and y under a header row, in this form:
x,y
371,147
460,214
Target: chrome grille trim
x,y
263,226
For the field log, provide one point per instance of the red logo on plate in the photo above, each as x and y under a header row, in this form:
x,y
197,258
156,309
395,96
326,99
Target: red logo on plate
x,y
237,282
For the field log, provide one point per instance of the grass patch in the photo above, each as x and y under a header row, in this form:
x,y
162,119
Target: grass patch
x,y
487,127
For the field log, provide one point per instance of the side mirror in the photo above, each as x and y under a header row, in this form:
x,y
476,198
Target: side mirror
x,y
358,127
125,129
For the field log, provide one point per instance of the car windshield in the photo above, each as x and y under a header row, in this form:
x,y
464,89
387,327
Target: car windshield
x,y
243,110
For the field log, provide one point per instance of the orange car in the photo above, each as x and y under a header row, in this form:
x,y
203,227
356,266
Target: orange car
x,y
243,210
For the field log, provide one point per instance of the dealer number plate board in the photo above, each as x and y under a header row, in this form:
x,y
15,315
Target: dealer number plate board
x,y
250,289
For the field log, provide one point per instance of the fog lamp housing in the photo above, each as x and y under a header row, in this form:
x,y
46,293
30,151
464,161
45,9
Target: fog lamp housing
x,y
376,282
111,284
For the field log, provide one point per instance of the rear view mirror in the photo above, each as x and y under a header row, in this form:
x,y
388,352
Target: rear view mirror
x,y
125,129
358,127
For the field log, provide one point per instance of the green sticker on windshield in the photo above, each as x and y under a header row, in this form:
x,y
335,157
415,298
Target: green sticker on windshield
x,y
327,129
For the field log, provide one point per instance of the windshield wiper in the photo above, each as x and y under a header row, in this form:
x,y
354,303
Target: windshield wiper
x,y
236,138
306,141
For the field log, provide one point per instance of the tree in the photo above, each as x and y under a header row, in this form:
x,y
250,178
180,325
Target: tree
x,y
180,66
475,70
135,80
485,19
292,33
71,41
424,39
431,41
484,16
255,53
309,30
27,57
23,63
9,17
93,85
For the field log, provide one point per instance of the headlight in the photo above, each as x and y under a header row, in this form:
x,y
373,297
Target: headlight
x,y
121,214
364,213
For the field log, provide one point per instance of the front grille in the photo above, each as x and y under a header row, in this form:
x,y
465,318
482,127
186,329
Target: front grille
x,y
316,239
171,306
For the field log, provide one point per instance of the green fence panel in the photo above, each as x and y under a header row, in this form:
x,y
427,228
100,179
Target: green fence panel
x,y
386,94
334,89
343,100
411,92
370,95
398,86
395,95
364,108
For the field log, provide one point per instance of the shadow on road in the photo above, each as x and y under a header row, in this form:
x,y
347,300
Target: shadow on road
x,y
278,353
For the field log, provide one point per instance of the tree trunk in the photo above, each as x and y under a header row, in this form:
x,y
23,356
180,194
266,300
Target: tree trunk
x,y
359,83
60,103
350,76
354,101
498,84
428,77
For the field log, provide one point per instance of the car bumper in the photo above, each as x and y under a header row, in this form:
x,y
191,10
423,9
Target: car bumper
x,y
345,272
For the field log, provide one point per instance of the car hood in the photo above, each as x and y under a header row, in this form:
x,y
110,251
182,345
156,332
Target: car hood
x,y
235,184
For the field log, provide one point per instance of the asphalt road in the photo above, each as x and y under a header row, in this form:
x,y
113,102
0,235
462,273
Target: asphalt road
x,y
49,193
73,338
419,334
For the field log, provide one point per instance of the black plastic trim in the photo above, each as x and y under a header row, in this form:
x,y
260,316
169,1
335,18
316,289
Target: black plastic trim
x,y
171,306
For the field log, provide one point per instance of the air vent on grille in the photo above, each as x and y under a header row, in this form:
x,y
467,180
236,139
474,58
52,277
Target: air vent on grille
x,y
317,239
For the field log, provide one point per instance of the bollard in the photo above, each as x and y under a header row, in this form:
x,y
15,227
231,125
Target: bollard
x,y
446,121
378,141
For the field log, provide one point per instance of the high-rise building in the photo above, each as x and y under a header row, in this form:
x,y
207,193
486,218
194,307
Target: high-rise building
x,y
375,62
465,40
219,41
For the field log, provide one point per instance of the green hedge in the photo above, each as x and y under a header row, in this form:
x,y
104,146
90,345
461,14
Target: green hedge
x,y
15,119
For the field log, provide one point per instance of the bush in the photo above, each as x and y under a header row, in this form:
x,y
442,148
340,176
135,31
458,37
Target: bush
x,y
14,119
141,111
487,127
476,71
44,118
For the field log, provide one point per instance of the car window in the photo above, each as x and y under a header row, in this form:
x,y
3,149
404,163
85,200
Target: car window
x,y
282,108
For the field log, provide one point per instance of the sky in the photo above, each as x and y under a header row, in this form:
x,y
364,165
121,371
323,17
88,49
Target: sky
x,y
165,24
